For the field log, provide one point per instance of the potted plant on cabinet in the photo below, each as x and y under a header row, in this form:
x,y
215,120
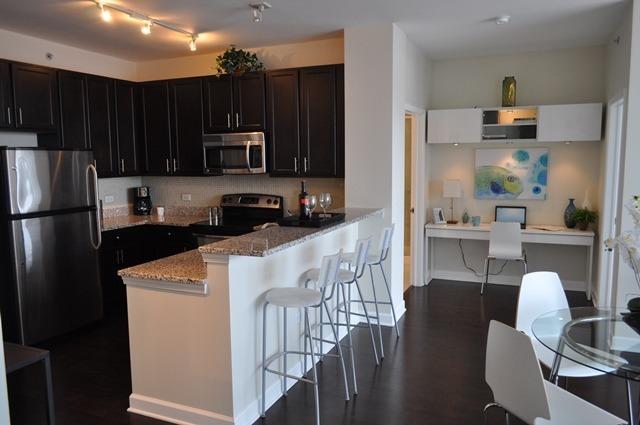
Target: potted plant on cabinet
x,y
237,61
583,217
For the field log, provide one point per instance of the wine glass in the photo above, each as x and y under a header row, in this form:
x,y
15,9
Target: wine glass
x,y
325,202
313,203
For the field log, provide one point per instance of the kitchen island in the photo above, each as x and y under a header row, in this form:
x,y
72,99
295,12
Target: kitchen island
x,y
195,325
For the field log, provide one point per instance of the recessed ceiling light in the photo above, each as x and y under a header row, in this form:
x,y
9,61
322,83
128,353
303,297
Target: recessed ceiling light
x,y
504,19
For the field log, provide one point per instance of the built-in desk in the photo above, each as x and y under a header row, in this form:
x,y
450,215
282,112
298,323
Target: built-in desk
x,y
538,234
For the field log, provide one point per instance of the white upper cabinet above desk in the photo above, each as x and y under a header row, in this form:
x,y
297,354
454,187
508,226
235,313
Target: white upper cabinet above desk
x,y
455,126
570,123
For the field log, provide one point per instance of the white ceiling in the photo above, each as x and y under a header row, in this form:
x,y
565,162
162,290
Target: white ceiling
x,y
443,28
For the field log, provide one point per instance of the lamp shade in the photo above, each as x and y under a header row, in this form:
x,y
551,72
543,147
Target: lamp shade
x,y
451,189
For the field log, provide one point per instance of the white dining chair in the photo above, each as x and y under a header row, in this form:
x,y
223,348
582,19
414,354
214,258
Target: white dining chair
x,y
505,243
513,373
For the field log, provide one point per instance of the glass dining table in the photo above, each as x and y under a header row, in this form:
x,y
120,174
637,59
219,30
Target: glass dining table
x,y
602,339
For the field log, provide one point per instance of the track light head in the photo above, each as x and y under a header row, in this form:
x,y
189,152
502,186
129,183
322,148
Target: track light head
x,y
146,27
192,43
258,9
104,13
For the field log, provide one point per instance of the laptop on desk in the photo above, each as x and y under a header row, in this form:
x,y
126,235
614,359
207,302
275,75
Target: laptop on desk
x,y
512,215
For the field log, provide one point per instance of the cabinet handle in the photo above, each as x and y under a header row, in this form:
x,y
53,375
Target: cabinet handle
x,y
9,114
228,120
175,165
295,164
305,164
122,164
168,166
20,114
237,120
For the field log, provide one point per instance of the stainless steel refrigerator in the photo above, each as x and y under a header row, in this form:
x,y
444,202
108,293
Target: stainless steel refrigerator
x,y
50,237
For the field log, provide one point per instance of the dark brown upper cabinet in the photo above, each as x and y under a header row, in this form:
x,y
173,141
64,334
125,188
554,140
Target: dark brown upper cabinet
x,y
35,96
73,110
304,124
234,103
126,130
186,125
101,127
283,122
156,129
7,116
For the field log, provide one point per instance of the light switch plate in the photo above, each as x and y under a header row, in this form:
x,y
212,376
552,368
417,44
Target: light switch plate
x,y
108,199
186,196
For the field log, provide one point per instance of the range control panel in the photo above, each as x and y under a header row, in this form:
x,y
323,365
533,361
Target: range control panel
x,y
252,200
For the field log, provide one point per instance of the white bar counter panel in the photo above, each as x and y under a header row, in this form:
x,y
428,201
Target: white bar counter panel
x,y
195,354
549,247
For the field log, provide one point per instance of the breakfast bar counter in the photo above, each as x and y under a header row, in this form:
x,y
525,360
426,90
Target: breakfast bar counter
x,y
194,312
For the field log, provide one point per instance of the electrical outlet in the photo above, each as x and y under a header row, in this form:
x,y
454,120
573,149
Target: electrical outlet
x,y
186,196
108,199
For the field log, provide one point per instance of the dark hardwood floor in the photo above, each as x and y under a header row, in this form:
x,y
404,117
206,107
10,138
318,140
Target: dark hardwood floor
x,y
433,374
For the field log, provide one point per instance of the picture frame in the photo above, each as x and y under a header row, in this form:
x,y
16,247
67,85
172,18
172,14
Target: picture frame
x,y
438,216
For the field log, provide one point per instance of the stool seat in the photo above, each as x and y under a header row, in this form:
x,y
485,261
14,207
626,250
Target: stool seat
x,y
372,259
344,275
294,297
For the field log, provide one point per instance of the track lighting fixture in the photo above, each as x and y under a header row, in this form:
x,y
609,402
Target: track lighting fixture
x,y
147,21
258,8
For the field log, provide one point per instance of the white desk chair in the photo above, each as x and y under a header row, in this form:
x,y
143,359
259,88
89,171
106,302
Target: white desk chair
x,y
513,373
505,243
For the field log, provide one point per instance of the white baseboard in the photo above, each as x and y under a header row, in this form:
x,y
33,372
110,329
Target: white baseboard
x,y
570,285
175,413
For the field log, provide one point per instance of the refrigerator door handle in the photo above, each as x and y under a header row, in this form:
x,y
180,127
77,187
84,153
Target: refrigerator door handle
x,y
94,172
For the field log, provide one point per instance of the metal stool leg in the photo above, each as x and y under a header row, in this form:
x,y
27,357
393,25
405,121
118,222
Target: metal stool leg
x,y
313,364
485,281
375,302
284,357
321,343
353,361
366,315
393,310
264,359
339,349
51,413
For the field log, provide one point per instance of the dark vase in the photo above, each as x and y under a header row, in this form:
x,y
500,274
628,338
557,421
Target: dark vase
x,y
568,214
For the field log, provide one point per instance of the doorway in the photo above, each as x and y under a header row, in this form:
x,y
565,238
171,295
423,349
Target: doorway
x,y
408,209
611,201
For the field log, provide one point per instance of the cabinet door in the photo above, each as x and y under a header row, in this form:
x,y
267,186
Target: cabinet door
x,y
454,126
7,116
218,104
283,122
102,124
127,158
248,102
73,110
570,123
35,96
156,127
318,113
186,118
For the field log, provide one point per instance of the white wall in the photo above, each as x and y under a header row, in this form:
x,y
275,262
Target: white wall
x,y
320,52
559,76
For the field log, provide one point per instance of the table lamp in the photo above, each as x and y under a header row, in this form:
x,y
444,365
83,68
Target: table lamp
x,y
451,189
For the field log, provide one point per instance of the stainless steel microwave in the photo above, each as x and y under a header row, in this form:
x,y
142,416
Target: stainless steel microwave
x,y
234,153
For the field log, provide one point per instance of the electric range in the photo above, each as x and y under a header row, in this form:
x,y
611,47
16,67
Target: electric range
x,y
241,214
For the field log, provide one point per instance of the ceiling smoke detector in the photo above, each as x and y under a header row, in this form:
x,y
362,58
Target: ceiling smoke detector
x,y
504,19
258,8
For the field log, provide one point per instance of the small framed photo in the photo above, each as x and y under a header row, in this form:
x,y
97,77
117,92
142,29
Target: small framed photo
x,y
438,216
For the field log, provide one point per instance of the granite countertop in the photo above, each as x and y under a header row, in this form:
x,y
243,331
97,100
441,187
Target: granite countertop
x,y
274,239
187,268
130,220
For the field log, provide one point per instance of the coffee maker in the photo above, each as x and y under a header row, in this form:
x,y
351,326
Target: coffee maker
x,y
142,200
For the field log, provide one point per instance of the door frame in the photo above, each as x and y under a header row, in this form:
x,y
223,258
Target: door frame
x,y
418,192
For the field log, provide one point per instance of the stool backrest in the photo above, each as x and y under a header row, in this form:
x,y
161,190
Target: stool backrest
x,y
540,293
360,255
505,239
329,270
385,242
514,375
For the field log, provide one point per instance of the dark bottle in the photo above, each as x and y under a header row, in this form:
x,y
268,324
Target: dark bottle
x,y
303,203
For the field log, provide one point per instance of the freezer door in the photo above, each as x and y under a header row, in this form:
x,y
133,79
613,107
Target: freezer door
x,y
40,180
57,274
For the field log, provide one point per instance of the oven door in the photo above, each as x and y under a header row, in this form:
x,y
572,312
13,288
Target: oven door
x,y
238,157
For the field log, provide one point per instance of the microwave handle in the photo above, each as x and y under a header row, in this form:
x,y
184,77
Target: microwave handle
x,y
248,156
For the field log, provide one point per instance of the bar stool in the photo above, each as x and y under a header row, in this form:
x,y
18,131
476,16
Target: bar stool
x,y
378,260
304,299
505,243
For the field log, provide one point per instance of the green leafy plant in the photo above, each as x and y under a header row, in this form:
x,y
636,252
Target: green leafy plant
x,y
584,217
237,61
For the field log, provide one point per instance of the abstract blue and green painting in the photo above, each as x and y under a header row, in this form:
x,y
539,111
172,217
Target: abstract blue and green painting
x,y
511,173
